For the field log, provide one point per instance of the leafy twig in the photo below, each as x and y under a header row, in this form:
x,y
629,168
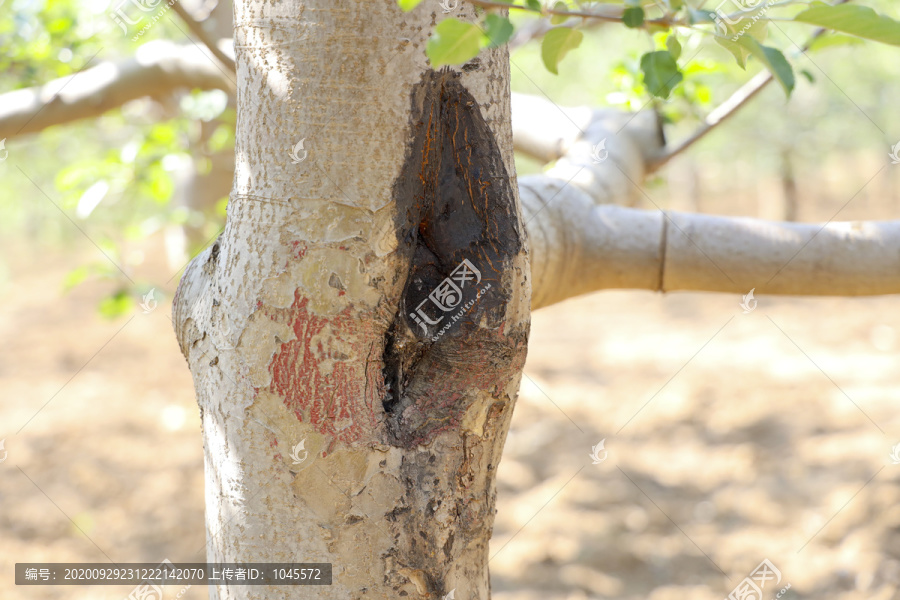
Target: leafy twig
x,y
662,22
729,107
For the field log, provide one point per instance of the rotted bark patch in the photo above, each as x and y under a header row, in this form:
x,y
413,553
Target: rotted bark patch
x,y
459,227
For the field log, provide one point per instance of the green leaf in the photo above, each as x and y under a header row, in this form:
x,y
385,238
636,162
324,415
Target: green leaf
x,y
808,75
739,52
834,39
661,73
75,277
533,5
674,46
633,17
757,30
556,44
408,5
453,43
116,305
497,29
557,19
774,61
860,21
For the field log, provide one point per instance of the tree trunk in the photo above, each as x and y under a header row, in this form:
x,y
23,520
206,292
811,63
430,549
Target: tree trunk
x,y
356,335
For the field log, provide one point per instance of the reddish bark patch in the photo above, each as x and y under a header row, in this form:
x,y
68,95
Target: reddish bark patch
x,y
321,384
299,249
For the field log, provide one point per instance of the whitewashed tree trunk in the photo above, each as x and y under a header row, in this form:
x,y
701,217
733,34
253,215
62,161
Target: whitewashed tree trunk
x,y
296,324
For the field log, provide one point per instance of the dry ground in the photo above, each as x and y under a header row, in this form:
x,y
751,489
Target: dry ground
x,y
731,438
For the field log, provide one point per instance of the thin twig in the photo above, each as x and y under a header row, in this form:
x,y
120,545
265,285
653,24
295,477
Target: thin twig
x,y
717,116
663,21
537,28
728,108
198,30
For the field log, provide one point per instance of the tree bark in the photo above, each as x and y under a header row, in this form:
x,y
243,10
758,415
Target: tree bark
x,y
339,424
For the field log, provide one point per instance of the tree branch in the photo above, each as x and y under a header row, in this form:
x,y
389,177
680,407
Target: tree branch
x,y
609,17
624,248
546,131
583,239
157,69
201,34
532,30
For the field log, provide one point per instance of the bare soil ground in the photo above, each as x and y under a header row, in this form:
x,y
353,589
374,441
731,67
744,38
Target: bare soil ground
x,y
731,438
